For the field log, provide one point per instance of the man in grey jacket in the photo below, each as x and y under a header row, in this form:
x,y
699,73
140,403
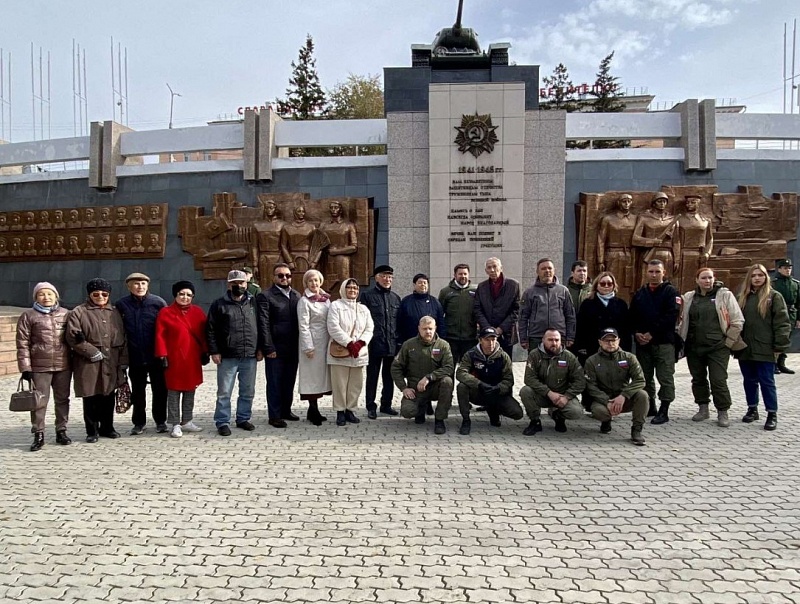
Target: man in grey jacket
x,y
546,304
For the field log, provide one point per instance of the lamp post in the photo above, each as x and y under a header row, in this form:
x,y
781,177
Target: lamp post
x,y
172,95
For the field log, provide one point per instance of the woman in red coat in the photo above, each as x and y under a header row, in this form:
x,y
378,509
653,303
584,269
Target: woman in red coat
x,y
181,346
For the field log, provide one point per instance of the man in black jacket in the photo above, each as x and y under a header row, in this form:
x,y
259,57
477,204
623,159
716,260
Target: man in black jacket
x,y
232,334
278,342
383,305
497,304
653,315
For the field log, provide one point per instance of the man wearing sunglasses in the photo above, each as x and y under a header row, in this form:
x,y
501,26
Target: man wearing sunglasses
x,y
278,336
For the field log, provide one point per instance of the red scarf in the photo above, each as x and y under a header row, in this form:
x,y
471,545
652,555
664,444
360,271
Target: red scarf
x,y
496,286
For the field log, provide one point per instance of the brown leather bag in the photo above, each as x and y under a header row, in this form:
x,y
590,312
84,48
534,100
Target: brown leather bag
x,y
337,351
26,400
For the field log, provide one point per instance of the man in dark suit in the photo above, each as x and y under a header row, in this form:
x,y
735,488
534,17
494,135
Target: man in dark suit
x,y
497,304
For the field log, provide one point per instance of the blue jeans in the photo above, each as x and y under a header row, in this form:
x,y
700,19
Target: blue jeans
x,y
760,373
226,376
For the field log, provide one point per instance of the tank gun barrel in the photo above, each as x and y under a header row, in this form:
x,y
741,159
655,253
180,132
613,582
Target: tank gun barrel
x,y
457,24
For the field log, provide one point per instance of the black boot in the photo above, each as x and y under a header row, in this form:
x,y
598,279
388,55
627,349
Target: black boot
x,y
351,418
62,438
466,426
420,417
429,408
662,417
782,365
38,441
340,419
533,427
772,421
653,411
313,415
751,415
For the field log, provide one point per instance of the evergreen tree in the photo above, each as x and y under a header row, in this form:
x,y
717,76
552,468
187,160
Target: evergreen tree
x,y
305,99
606,92
564,91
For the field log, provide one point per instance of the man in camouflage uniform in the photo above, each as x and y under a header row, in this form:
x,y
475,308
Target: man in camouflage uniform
x,y
789,288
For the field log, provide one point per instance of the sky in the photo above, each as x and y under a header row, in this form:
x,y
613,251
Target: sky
x,y
220,56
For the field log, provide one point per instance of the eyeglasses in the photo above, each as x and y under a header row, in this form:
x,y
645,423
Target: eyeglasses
x,y
606,283
99,294
283,275
186,294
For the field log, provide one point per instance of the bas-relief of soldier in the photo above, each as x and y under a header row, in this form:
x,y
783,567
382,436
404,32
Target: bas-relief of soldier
x,y
656,233
614,247
268,236
343,244
696,241
295,245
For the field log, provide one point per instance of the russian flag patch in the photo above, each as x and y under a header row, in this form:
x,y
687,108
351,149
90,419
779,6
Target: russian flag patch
x,y
562,363
622,363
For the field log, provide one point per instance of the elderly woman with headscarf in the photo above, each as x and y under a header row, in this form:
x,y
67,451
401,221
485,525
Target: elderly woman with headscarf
x,y
312,322
350,327
180,344
43,357
97,337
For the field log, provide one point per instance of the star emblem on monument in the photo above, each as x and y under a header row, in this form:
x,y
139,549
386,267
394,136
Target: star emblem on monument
x,y
476,134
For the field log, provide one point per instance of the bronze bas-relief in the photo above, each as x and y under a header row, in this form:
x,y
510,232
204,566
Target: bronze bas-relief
x,y
687,227
73,233
334,235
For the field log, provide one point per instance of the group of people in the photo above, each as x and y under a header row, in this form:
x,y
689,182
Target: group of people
x,y
580,339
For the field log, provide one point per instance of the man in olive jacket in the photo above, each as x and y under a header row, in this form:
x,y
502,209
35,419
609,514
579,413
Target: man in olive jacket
x,y
486,378
789,288
423,371
615,384
458,302
553,379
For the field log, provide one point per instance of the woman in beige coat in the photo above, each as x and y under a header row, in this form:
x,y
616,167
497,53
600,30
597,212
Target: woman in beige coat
x,y
349,325
97,337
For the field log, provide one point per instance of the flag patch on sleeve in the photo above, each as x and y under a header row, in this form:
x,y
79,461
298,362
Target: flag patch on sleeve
x,y
622,363
562,363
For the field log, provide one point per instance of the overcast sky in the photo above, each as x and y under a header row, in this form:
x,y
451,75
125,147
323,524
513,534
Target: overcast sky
x,y
222,55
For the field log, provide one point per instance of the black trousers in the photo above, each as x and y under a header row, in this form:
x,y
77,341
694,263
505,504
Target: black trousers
x,y
98,413
379,366
281,376
138,376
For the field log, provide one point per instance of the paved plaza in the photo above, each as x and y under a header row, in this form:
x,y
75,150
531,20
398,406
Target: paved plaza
x,y
385,511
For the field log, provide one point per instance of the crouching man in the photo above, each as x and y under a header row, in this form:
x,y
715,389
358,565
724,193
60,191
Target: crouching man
x,y
554,380
423,371
615,384
486,378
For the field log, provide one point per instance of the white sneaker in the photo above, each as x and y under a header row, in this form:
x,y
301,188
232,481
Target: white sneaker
x,y
176,431
191,427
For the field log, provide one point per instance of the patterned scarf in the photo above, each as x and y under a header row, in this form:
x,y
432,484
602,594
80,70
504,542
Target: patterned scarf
x,y
320,297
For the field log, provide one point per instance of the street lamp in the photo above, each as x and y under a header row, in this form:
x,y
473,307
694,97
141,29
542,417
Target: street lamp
x,y
172,95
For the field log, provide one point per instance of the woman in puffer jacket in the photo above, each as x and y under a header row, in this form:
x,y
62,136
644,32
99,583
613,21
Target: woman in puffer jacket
x,y
44,357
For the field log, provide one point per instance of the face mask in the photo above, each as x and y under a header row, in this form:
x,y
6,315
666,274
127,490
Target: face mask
x,y
237,290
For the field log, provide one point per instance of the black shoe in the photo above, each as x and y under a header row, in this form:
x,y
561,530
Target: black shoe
x,y
772,421
372,414
785,369
387,410
751,415
340,418
350,417
315,418
62,438
494,420
420,417
110,434
162,428
277,423
605,427
224,430
662,417
636,437
466,426
91,438
652,411
245,425
291,417
439,427
429,408
38,441
561,423
533,427
137,430
777,370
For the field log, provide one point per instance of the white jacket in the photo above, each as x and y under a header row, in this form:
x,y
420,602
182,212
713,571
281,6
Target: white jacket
x,y
731,319
347,317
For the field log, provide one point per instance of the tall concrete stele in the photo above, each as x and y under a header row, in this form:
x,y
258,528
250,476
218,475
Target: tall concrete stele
x,y
475,169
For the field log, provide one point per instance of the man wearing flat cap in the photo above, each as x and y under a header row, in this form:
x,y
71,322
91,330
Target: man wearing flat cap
x,y
615,384
789,288
139,311
383,305
486,379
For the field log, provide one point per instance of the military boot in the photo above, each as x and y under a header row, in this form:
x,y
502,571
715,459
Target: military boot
x,y
722,418
652,411
466,426
636,435
782,368
662,417
772,421
534,427
702,413
38,441
751,415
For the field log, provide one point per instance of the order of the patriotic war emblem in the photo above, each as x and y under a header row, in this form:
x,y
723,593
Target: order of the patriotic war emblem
x,y
476,134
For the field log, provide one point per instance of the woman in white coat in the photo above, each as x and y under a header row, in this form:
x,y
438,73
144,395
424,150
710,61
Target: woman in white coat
x,y
350,326
312,318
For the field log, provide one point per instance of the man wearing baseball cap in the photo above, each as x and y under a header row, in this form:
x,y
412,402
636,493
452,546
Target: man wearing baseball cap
x,y
486,379
253,288
789,288
232,334
615,384
139,311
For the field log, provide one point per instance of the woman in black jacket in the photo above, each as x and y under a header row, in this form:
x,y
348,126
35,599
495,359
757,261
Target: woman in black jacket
x,y
600,310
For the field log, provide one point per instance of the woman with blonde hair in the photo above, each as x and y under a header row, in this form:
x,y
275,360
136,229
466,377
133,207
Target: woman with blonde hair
x,y
766,333
711,324
600,310
312,322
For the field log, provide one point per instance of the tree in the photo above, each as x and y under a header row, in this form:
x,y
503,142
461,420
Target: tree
x,y
606,89
563,90
305,99
358,98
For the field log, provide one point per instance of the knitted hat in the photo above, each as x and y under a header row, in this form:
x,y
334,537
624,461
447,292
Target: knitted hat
x,y
44,285
419,276
179,285
98,284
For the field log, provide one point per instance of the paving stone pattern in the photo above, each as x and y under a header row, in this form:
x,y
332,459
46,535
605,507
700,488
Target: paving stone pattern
x,y
385,511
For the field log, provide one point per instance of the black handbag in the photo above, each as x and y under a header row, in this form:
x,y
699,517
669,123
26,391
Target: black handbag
x,y
26,400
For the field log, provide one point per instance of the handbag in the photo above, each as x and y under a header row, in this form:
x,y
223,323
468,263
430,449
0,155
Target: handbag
x,y
26,400
122,401
336,350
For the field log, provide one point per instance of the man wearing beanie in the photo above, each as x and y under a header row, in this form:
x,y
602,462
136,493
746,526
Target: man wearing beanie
x,y
139,311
